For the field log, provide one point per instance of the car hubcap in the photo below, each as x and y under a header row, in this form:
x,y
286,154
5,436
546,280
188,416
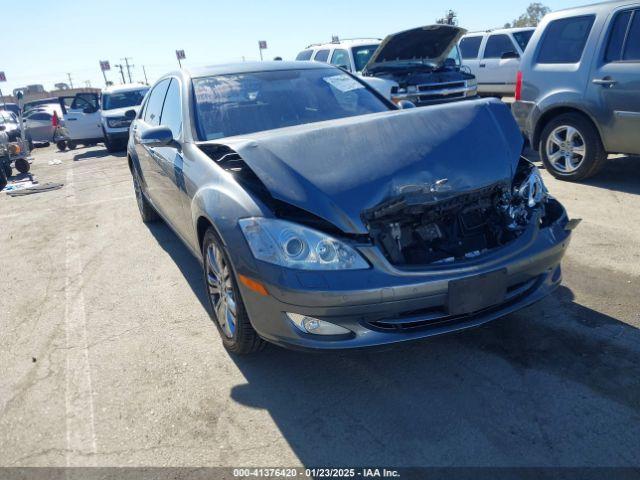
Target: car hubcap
x,y
565,149
220,289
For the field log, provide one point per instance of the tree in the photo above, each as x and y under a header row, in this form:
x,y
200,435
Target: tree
x,y
531,17
450,18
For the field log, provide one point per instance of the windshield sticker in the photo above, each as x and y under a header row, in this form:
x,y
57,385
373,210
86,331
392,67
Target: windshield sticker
x,y
344,83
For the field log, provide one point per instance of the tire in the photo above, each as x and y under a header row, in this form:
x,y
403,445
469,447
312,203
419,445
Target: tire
x,y
147,212
71,145
111,148
62,145
3,179
8,171
223,294
22,165
570,148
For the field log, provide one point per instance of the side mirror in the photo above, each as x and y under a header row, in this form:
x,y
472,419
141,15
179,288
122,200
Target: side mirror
x,y
156,137
404,104
130,114
508,55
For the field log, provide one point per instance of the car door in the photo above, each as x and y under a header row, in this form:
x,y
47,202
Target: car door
x,y
81,115
147,157
170,164
470,50
38,126
614,89
499,64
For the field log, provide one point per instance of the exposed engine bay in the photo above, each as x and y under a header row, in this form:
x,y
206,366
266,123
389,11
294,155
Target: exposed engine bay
x,y
431,225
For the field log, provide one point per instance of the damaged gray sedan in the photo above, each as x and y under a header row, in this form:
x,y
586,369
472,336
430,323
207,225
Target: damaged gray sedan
x,y
326,218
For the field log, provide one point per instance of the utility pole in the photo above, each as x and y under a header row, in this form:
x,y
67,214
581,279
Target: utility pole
x,y
145,75
87,83
70,81
129,67
120,66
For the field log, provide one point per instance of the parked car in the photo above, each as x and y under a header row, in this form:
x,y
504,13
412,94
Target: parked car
x,y
325,217
82,119
425,64
116,102
494,57
38,103
578,91
39,125
11,124
10,107
351,55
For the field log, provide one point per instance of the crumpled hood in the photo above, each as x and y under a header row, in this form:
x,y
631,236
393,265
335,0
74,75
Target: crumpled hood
x,y
431,43
340,168
119,112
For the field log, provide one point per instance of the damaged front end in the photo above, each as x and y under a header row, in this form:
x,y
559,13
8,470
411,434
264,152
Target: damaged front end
x,y
434,225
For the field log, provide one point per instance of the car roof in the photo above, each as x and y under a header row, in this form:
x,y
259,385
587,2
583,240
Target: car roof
x,y
594,6
347,42
127,87
500,30
246,67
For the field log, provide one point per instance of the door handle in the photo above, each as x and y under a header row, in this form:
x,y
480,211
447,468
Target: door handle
x,y
482,65
605,82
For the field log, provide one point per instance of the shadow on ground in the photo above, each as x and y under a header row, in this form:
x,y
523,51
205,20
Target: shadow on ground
x,y
91,154
555,384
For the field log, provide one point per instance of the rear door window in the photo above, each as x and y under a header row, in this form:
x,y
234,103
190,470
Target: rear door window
x,y
154,104
304,55
322,56
469,47
564,40
497,45
617,35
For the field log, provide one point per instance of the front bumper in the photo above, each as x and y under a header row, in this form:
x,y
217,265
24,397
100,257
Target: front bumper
x,y
119,135
385,305
429,94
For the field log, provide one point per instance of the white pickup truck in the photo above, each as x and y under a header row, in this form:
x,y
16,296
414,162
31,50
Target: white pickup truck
x,y
494,57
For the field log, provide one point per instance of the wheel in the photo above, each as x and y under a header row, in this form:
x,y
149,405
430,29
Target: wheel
x,y
227,308
570,148
62,145
3,179
71,145
8,171
147,212
22,165
109,145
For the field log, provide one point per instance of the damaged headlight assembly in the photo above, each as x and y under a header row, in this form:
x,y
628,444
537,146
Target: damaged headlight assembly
x,y
294,246
528,193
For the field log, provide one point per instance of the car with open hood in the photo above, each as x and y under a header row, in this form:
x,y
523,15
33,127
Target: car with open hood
x,y
425,63
325,217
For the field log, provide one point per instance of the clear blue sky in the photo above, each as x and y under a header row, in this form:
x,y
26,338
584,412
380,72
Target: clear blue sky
x,y
43,40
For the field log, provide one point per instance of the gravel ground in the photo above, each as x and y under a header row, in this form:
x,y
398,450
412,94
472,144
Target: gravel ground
x,y
108,356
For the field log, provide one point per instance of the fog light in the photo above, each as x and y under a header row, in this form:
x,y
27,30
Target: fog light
x,y
313,325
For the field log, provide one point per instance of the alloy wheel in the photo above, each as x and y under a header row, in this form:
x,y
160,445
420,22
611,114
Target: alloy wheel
x,y
221,291
566,149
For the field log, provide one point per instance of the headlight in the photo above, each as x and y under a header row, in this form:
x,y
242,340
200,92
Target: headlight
x,y
120,122
532,190
291,245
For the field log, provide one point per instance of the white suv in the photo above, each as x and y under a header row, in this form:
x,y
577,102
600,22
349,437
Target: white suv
x,y
494,57
116,102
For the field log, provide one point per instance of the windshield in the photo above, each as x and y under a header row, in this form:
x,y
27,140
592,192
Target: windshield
x,y
523,38
131,98
361,55
238,104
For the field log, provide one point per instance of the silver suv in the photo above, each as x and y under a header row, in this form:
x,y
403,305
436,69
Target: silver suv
x,y
578,88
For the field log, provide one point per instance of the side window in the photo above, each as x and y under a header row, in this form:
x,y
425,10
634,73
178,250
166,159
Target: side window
x,y
563,41
469,47
497,45
40,116
616,36
304,55
322,56
340,58
632,43
154,104
85,100
523,38
172,110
